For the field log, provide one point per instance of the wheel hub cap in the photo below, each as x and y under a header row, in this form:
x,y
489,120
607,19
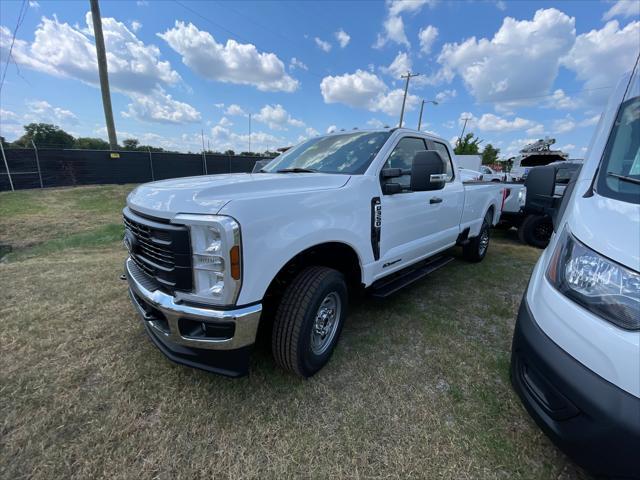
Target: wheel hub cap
x,y
325,324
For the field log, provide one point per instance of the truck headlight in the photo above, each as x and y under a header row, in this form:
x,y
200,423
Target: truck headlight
x,y
216,259
600,285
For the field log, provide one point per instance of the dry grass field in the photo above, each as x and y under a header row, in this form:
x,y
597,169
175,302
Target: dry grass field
x,y
418,386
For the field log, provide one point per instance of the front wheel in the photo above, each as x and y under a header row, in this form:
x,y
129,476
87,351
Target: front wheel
x,y
476,248
536,231
309,320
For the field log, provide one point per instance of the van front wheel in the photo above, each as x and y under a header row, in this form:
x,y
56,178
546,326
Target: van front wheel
x,y
309,320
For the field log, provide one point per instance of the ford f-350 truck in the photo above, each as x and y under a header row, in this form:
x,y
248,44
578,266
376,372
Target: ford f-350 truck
x,y
212,257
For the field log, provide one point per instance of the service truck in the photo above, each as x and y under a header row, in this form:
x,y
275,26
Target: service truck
x,y
212,258
575,360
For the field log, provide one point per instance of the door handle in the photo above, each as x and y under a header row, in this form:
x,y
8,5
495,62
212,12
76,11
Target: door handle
x,y
433,200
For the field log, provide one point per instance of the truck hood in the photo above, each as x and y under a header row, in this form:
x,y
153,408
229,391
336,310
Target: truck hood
x,y
208,194
608,226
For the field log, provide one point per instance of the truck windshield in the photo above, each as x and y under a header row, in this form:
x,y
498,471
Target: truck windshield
x,y
619,174
350,153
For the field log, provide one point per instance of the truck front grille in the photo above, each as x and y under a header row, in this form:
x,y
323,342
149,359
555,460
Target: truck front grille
x,y
161,250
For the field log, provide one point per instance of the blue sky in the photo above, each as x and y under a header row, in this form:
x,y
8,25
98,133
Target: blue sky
x,y
518,70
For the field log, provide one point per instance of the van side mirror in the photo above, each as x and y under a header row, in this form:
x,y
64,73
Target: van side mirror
x,y
427,172
541,184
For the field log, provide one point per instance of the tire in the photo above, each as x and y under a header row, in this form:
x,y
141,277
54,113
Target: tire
x,y
476,249
306,305
536,230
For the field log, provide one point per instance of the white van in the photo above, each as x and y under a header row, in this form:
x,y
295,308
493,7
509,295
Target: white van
x,y
575,359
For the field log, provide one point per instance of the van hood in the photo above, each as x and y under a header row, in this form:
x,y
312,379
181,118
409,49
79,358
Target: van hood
x,y
208,194
608,226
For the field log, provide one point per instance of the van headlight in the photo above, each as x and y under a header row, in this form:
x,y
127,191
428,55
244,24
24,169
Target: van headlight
x,y
216,257
600,285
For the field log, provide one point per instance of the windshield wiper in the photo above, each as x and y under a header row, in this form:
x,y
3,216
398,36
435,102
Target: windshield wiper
x,y
296,170
624,178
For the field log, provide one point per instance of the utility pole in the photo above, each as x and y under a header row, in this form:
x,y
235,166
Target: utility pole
x,y
466,119
103,73
249,132
422,108
406,89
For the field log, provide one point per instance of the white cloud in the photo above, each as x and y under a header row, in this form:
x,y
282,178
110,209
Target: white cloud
x,y
396,7
218,105
364,90
501,5
449,124
623,8
561,101
222,139
489,122
563,125
446,95
569,147
343,38
136,25
225,122
135,68
277,118
159,106
400,65
536,130
235,110
232,62
42,111
64,51
311,132
34,4
590,121
394,25
600,57
375,123
427,37
295,63
7,116
521,60
322,45
331,128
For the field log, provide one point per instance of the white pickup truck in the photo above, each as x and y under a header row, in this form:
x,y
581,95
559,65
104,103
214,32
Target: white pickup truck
x,y
212,257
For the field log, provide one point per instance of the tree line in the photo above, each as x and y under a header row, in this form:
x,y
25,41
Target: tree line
x,y
470,145
46,135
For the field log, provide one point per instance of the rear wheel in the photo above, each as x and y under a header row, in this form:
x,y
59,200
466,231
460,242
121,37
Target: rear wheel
x,y
536,230
476,249
309,320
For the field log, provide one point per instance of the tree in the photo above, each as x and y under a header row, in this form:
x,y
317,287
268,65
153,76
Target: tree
x,y
45,134
229,152
89,143
490,155
130,143
469,145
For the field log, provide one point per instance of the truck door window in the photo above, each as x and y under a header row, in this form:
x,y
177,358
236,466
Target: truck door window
x,y
402,157
442,149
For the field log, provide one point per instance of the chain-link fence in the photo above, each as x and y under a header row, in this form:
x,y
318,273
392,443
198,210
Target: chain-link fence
x,y
55,167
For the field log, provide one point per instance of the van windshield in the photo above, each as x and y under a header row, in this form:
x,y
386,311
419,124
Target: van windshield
x,y
349,153
619,175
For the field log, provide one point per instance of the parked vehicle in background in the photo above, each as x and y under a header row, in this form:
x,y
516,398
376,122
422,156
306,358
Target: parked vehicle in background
x,y
470,162
575,360
212,257
535,154
470,175
534,228
490,175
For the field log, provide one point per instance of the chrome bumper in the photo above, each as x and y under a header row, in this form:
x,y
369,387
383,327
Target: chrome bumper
x,y
245,319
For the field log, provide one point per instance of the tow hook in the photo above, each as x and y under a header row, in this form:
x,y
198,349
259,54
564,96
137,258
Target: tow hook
x,y
123,277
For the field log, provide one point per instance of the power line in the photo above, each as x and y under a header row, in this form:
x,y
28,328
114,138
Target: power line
x,y
21,16
408,76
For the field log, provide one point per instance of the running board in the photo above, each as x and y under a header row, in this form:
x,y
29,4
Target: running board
x,y
388,286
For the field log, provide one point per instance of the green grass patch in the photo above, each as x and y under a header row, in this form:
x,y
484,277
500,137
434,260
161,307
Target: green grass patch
x,y
13,204
101,236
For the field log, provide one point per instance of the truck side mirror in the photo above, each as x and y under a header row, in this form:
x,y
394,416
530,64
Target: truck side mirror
x,y
541,183
427,172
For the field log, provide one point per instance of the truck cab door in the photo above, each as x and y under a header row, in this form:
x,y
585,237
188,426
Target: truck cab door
x,y
410,221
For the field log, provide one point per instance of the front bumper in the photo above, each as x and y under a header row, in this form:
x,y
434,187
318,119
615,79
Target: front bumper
x,y
218,341
594,422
